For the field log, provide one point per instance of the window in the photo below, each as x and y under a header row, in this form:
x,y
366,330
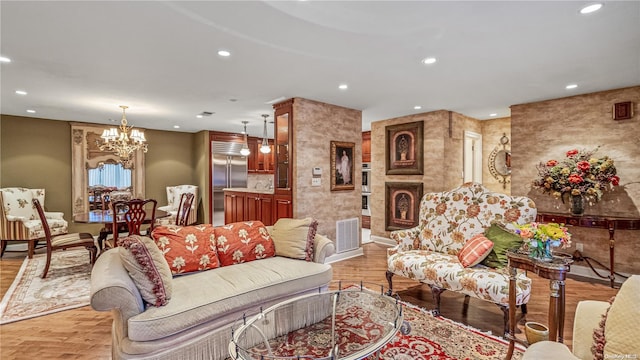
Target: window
x,y
110,175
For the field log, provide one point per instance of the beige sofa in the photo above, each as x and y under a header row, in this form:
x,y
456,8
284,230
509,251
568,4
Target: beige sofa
x,y
621,338
429,252
197,320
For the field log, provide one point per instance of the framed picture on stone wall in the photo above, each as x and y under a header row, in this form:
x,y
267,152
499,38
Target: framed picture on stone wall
x,y
403,149
342,165
402,201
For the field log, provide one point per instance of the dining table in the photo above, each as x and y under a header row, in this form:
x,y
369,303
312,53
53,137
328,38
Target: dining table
x,y
105,217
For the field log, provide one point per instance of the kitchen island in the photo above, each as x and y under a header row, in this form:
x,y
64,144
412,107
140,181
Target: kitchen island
x,y
246,204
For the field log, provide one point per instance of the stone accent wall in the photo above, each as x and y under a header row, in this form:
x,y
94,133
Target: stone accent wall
x,y
316,124
547,129
492,131
442,152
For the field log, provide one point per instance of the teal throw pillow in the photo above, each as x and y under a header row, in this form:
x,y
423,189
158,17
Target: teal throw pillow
x,y
503,240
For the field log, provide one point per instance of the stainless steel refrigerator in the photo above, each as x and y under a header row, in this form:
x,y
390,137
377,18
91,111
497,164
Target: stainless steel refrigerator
x,y
229,170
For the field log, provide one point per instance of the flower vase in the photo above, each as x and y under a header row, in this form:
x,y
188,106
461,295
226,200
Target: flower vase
x,y
577,204
541,252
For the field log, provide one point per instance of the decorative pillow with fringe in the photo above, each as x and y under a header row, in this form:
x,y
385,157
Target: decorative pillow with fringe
x,y
147,267
294,238
597,349
621,332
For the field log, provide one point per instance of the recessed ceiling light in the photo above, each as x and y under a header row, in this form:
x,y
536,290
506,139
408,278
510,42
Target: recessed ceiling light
x,y
429,60
5,59
224,53
21,92
493,114
343,86
31,111
571,86
417,107
590,8
176,126
199,116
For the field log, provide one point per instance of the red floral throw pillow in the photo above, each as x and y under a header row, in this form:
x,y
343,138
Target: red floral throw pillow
x,y
187,248
475,250
243,242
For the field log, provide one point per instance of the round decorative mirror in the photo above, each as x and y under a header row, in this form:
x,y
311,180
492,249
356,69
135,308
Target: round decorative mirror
x,y
500,162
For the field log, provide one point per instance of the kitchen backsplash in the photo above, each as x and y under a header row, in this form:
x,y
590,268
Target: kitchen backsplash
x,y
259,181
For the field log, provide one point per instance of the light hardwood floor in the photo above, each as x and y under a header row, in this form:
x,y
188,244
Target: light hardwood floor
x,y
85,334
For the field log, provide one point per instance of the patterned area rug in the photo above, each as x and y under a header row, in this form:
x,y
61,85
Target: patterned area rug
x,y
65,287
434,337
430,338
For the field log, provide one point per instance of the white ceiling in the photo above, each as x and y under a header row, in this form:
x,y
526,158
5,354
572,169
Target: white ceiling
x,y
79,60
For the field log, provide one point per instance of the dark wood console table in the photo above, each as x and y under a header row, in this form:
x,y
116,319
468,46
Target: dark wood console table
x,y
556,271
610,223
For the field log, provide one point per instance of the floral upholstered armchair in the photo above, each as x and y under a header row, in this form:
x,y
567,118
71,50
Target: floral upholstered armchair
x,y
450,223
19,219
173,197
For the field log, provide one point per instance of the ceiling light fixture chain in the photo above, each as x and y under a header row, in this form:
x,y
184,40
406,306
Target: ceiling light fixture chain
x,y
124,140
265,148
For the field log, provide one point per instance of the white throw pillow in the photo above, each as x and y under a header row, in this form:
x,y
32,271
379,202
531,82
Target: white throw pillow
x,y
294,238
621,332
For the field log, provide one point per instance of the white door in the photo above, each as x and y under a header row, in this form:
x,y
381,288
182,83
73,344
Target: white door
x,y
472,157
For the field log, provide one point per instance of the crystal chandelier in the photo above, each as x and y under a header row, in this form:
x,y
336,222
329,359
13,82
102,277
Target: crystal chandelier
x,y
245,146
265,148
125,141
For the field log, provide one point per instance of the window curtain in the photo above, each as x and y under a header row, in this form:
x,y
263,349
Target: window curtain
x,y
110,175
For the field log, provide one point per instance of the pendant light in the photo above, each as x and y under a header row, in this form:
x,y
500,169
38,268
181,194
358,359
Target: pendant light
x,y
245,146
265,148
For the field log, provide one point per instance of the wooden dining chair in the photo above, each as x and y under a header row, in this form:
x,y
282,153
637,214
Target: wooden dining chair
x,y
135,213
184,209
64,241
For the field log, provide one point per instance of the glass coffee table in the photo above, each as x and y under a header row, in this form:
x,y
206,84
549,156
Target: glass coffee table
x,y
350,323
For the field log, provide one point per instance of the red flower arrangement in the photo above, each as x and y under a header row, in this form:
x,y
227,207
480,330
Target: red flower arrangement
x,y
579,173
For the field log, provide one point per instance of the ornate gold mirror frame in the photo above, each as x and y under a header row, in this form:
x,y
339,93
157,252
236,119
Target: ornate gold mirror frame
x,y
86,155
500,162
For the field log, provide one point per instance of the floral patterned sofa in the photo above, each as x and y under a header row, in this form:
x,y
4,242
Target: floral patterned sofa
x,y
19,219
429,252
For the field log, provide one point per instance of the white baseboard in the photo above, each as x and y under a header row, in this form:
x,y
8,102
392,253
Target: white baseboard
x,y
344,255
382,240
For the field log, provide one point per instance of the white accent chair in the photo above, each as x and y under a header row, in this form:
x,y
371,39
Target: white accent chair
x,y
19,220
621,331
173,198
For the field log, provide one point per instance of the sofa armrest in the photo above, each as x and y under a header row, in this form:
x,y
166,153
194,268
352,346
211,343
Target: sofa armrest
x,y
113,289
588,316
54,215
322,248
405,238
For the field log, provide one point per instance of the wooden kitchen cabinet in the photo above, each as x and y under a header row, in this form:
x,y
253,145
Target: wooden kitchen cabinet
x,y
282,207
257,162
259,207
234,206
366,146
